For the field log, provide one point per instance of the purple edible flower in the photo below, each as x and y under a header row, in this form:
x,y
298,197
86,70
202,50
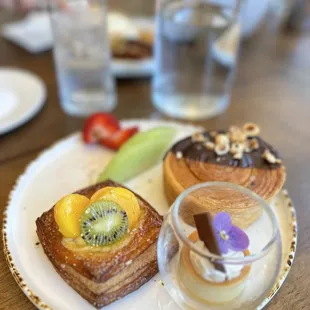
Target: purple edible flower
x,y
229,236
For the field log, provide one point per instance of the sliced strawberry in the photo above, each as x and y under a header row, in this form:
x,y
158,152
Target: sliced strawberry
x,y
116,140
99,126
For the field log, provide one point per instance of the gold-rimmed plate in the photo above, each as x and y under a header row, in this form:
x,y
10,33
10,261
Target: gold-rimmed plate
x,y
68,166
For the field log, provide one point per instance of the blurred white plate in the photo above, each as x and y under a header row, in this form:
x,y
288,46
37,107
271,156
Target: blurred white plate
x,y
33,33
70,165
133,68
22,95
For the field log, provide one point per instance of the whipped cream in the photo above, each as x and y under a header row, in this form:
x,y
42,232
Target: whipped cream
x,y
206,269
120,25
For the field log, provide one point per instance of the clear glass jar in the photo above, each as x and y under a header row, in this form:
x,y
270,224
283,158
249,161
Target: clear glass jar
x,y
187,269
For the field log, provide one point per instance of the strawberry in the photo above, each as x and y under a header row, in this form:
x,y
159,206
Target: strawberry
x,y
116,140
99,126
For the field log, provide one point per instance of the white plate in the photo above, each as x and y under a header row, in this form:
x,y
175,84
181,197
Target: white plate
x,y
66,167
22,95
133,68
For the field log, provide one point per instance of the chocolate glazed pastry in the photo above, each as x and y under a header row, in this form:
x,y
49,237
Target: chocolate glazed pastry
x,y
238,156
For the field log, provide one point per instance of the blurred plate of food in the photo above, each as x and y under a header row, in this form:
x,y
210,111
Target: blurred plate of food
x,y
131,40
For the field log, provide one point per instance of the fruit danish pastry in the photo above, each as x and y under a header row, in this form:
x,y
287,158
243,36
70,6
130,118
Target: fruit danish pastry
x,y
102,241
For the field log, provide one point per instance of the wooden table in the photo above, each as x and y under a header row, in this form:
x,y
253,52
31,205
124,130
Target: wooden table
x,y
272,89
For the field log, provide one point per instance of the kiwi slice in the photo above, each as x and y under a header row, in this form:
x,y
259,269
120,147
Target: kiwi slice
x,y
139,153
103,223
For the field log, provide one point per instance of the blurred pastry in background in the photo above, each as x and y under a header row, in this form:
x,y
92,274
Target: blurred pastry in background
x,y
128,39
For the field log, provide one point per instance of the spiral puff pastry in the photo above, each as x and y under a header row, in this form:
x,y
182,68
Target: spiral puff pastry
x,y
211,156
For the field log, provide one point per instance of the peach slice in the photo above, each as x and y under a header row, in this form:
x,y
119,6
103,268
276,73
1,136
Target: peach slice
x,y
67,214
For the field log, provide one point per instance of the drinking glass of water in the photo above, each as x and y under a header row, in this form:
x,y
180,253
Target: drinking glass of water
x,y
82,56
195,56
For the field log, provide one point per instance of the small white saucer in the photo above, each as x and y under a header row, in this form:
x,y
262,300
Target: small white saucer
x,y
22,95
